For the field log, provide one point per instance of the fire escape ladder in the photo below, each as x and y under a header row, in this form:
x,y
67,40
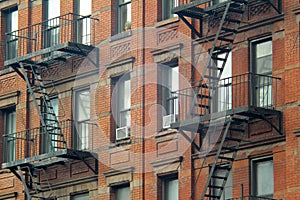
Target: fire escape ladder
x,y
42,102
222,45
228,146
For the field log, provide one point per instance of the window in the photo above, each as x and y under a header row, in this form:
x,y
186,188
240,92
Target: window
x,y
170,83
122,192
222,99
263,177
47,137
84,8
82,196
227,191
167,7
262,65
170,188
52,13
11,27
82,119
124,15
122,101
10,134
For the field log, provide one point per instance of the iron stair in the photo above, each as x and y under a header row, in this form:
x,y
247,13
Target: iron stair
x,y
224,158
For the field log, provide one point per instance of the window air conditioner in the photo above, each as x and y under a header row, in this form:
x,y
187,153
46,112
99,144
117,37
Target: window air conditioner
x,y
122,133
168,120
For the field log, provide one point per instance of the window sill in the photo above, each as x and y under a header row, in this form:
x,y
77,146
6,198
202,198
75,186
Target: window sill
x,y
166,22
166,132
120,36
122,142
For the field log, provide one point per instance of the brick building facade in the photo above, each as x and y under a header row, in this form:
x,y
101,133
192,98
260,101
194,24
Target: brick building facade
x,y
201,104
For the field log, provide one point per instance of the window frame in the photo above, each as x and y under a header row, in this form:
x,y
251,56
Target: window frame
x,y
74,196
117,83
164,181
10,154
116,187
217,104
83,26
253,175
257,87
51,31
77,134
169,102
11,42
167,7
44,146
120,5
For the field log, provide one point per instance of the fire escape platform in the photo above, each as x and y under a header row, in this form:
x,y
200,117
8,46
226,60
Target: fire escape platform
x,y
50,158
247,111
64,50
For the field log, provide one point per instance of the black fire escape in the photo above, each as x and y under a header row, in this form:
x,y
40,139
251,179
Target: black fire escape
x,y
240,94
30,51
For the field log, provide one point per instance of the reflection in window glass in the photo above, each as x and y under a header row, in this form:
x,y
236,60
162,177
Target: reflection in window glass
x,y
263,175
124,15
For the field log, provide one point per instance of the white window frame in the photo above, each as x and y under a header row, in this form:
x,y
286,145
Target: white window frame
x,y
80,196
122,85
121,21
81,134
170,80
11,28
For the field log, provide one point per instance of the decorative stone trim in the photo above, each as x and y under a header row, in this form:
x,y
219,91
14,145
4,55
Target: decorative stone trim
x,y
11,195
167,53
120,67
8,99
116,177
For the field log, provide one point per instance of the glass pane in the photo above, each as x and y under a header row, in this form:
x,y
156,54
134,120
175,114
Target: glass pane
x,y
224,93
84,196
85,7
53,9
264,58
264,178
171,187
83,105
10,131
125,16
82,119
122,193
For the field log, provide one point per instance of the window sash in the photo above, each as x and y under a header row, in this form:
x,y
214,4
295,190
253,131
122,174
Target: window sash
x,y
263,177
10,132
227,192
122,193
12,37
262,65
167,7
84,24
170,189
123,102
82,196
170,85
82,119
124,14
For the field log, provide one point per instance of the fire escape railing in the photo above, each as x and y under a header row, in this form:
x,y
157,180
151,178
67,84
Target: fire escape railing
x,y
32,142
65,28
243,90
